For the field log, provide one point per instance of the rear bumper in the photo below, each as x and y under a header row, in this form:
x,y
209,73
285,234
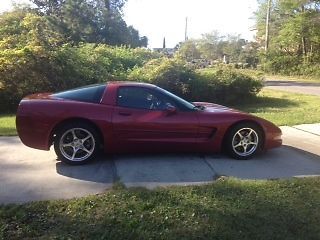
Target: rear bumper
x,y
32,133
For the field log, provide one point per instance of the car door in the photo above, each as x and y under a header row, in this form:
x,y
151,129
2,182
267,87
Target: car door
x,y
147,118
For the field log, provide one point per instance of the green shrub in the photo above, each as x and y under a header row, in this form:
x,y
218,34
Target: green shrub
x,y
224,85
221,85
36,69
22,72
171,74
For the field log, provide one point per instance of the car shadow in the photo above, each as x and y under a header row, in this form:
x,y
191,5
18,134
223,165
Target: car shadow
x,y
151,170
280,163
101,170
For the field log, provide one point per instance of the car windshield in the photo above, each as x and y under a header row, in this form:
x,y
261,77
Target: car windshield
x,y
181,101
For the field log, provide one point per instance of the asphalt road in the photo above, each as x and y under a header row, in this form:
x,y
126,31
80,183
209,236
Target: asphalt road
x,y
29,175
294,86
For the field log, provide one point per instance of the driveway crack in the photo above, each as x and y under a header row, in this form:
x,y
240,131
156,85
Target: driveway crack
x,y
115,176
203,157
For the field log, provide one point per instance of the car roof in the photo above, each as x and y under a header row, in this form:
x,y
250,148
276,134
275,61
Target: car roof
x,y
132,84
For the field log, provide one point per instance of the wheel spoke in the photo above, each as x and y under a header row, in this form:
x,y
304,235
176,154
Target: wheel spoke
x,y
238,145
67,145
240,135
73,134
86,138
74,153
244,149
252,143
86,150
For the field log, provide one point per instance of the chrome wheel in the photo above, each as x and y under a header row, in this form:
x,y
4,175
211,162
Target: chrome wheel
x,y
77,144
245,142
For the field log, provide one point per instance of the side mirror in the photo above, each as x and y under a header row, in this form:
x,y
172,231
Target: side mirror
x,y
170,109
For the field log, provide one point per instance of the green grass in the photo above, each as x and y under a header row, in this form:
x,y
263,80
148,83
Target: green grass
x,y
292,78
8,125
225,209
284,108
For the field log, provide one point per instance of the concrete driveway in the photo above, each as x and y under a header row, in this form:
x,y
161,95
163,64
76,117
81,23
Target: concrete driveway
x,y
28,175
294,86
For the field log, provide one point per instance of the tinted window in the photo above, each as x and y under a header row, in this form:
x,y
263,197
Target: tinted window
x,y
143,98
92,94
181,103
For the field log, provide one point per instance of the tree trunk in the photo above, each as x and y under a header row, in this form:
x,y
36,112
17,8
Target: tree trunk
x,y
303,41
304,47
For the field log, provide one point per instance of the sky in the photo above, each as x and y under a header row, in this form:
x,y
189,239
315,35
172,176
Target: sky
x,y
157,19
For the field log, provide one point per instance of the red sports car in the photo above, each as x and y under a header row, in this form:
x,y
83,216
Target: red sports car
x,y
132,117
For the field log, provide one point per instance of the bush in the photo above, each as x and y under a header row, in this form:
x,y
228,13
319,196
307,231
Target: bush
x,y
22,72
36,69
171,74
221,85
224,85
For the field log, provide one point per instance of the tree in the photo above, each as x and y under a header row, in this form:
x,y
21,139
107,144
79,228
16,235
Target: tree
x,y
294,33
213,46
93,21
189,50
23,27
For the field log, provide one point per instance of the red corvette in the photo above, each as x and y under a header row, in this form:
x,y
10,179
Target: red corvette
x,y
131,117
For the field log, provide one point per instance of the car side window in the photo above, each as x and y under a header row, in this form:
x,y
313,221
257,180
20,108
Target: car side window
x,y
141,98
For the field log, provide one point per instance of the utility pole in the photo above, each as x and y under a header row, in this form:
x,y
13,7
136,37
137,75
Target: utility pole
x,y
266,46
164,43
186,30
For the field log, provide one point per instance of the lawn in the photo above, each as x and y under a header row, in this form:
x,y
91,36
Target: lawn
x,y
7,125
284,108
225,209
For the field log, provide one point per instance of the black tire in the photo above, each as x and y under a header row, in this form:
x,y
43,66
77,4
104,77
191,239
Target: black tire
x,y
242,146
79,138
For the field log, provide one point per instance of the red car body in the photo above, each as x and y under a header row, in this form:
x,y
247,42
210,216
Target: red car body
x,y
130,130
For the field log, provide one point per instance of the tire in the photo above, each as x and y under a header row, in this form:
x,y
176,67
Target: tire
x,y
244,141
76,143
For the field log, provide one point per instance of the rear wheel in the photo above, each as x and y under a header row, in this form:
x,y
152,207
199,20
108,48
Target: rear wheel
x,y
76,143
244,141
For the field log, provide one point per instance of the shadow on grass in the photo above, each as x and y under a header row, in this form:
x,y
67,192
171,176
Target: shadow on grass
x,y
259,103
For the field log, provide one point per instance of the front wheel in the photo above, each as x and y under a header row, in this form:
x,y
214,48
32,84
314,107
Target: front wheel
x,y
244,141
76,143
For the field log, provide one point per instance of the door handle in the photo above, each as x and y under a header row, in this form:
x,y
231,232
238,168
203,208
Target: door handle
x,y
124,113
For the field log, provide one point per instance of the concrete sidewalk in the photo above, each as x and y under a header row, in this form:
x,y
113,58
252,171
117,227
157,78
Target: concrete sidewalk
x,y
305,137
30,175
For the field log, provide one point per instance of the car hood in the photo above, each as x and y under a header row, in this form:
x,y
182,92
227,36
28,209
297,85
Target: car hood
x,y
212,107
